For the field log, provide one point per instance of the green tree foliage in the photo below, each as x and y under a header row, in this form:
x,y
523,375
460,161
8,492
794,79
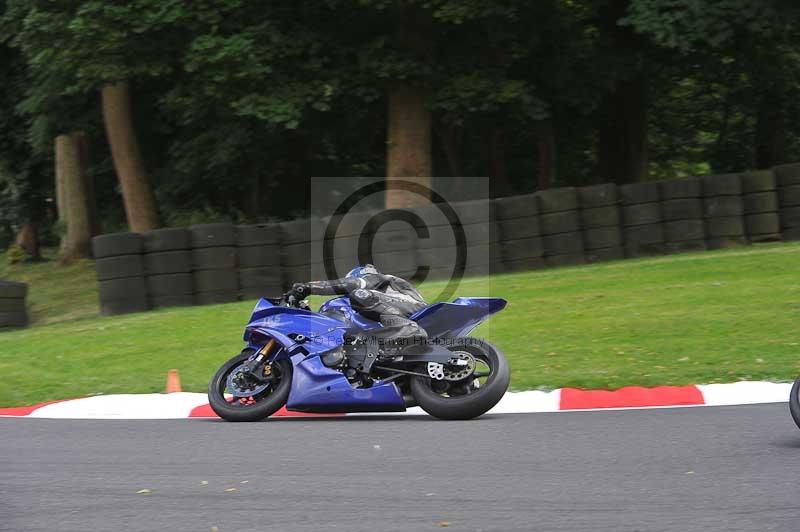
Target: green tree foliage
x,y
686,25
237,102
738,78
25,177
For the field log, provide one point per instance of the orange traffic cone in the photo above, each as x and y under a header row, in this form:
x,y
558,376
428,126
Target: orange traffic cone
x,y
173,381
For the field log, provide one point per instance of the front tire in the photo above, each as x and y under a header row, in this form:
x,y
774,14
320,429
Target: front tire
x,y
261,405
794,402
478,400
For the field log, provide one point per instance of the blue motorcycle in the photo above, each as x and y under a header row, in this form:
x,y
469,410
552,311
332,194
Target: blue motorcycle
x,y
327,362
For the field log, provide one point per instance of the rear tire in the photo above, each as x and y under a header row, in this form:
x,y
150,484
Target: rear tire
x,y
794,402
264,407
474,404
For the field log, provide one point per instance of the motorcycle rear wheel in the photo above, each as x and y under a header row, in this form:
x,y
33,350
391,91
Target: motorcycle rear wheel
x,y
794,402
263,404
477,401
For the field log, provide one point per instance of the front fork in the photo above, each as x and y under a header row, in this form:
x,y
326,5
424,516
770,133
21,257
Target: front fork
x,y
256,366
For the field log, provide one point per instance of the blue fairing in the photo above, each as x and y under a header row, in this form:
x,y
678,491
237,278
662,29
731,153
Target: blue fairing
x,y
284,323
317,388
458,318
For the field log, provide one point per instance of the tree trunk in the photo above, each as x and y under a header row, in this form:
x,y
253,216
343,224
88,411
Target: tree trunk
x,y
28,239
447,134
61,201
622,154
75,244
408,155
770,133
409,144
137,193
83,151
546,155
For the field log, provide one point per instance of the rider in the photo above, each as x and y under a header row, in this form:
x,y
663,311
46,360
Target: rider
x,y
376,296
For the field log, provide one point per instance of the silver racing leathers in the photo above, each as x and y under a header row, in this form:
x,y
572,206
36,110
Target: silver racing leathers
x,y
384,298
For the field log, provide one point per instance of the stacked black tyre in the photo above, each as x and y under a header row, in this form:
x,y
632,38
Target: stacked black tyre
x,y
120,273
521,246
345,235
259,254
600,221
393,244
458,239
214,263
482,237
723,210
301,253
560,222
760,199
13,313
439,247
168,267
682,211
788,181
643,230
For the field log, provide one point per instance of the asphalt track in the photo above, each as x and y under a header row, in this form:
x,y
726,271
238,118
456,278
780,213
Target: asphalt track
x,y
683,469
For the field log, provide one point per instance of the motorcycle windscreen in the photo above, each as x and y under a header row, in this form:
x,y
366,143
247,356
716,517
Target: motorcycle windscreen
x,y
459,317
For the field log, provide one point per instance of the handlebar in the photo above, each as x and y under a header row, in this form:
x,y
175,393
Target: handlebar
x,y
294,302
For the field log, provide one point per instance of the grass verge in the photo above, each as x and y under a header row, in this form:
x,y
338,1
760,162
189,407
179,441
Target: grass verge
x,y
693,318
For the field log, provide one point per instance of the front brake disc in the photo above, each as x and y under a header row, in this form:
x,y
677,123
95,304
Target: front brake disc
x,y
239,384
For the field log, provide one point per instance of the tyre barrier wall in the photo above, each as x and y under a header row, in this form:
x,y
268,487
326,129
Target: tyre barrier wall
x,y
437,250
215,263
787,178
258,254
298,241
559,220
723,209
682,211
120,272
168,267
601,222
642,222
13,311
760,200
521,244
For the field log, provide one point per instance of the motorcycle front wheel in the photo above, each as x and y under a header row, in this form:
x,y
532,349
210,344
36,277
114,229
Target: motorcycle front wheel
x,y
470,396
794,402
235,396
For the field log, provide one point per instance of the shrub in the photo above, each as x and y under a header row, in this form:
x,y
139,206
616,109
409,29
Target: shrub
x,y
15,254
